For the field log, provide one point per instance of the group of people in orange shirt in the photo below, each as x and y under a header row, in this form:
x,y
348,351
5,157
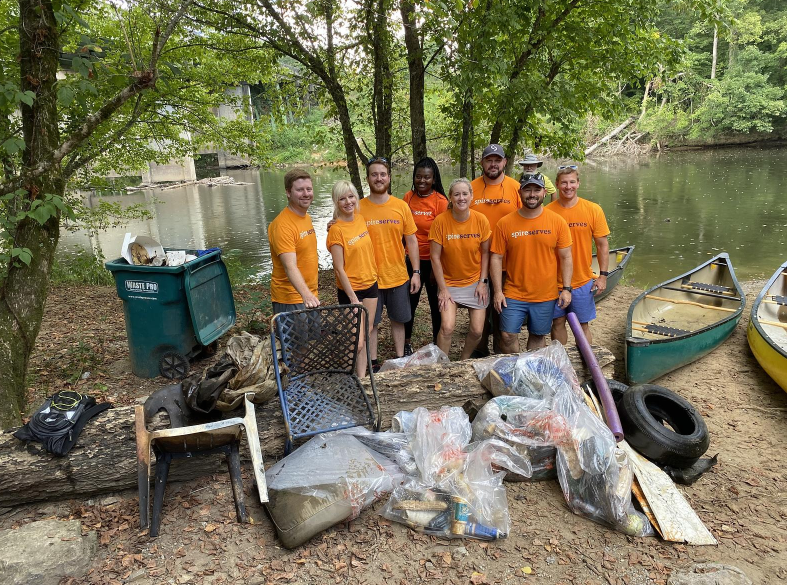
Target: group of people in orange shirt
x,y
488,245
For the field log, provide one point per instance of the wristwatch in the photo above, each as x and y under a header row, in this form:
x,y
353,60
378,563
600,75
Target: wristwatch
x,y
416,272
603,273
568,288
485,280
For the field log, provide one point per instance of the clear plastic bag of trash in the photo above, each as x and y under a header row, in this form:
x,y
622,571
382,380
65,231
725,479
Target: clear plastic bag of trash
x,y
426,356
458,489
328,480
393,445
529,427
504,366
593,474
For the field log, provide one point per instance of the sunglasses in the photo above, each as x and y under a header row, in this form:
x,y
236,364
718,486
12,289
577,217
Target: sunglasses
x,y
376,159
528,176
572,167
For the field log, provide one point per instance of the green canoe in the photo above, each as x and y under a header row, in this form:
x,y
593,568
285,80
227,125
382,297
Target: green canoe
x,y
681,320
618,258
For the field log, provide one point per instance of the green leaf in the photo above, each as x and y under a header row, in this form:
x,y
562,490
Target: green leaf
x,y
22,254
26,97
65,95
41,213
13,145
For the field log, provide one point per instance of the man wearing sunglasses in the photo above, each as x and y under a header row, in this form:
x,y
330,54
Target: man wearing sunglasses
x,y
495,195
537,246
389,220
588,224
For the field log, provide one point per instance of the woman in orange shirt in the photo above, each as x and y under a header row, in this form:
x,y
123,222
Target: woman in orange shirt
x,y
459,245
353,259
426,200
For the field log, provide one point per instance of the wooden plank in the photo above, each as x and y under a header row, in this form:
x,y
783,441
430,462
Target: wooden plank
x,y
677,520
774,324
682,302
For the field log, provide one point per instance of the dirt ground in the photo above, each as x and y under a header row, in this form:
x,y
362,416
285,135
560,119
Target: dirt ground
x,y
742,500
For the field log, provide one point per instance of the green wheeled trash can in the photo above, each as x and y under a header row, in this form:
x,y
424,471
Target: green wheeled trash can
x,y
173,312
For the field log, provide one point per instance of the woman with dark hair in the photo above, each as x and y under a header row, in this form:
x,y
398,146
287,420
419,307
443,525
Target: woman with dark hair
x,y
426,200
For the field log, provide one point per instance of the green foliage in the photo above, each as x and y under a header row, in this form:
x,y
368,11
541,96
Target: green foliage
x,y
743,100
81,269
747,94
303,139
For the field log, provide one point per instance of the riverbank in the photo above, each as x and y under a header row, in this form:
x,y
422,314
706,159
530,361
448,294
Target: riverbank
x,y
742,500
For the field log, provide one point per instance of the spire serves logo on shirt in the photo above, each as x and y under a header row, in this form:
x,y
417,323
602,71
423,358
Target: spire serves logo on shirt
x,y
531,233
307,233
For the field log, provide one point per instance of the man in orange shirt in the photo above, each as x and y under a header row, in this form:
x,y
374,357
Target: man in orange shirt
x,y
588,224
495,195
532,239
293,245
388,220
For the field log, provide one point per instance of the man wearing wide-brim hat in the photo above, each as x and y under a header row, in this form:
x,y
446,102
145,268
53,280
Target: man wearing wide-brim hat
x,y
529,165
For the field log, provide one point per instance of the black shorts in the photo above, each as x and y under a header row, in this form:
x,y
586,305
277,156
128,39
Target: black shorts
x,y
366,293
397,302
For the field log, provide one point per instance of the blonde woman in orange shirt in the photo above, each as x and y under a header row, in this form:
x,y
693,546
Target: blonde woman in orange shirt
x,y
459,244
353,259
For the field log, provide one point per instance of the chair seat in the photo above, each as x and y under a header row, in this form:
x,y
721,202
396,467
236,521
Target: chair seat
x,y
328,400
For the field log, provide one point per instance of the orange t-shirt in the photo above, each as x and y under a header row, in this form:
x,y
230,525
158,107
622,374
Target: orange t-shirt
x,y
387,224
530,247
586,220
356,242
495,201
290,232
461,242
425,210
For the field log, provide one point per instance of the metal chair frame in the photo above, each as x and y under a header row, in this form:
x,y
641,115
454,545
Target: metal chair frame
x,y
319,347
220,436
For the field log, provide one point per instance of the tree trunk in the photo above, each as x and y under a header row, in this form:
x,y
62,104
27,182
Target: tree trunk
x,y
348,136
382,96
467,128
104,458
715,51
609,136
415,64
23,291
645,100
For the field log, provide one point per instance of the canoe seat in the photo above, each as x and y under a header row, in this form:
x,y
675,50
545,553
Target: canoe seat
x,y
665,331
780,300
714,288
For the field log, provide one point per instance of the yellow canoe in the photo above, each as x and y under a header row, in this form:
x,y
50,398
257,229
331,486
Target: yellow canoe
x,y
767,331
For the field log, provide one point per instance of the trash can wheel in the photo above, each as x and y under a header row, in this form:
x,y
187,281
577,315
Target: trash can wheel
x,y
173,365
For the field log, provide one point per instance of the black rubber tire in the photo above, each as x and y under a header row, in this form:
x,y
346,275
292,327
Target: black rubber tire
x,y
643,411
173,365
616,388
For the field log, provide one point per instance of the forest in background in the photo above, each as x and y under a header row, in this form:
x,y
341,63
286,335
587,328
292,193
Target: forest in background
x,y
719,76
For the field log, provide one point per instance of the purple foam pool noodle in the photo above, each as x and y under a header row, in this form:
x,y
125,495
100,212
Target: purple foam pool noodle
x,y
610,412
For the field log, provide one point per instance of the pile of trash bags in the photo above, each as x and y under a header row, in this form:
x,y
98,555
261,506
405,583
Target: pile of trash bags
x,y
445,475
548,422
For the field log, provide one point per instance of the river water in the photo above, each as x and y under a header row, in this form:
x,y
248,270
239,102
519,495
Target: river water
x,y
678,209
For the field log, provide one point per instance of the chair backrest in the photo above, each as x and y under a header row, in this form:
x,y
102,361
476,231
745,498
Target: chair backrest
x,y
320,339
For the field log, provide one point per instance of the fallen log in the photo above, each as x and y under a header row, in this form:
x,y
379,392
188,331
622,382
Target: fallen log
x,y
104,458
609,136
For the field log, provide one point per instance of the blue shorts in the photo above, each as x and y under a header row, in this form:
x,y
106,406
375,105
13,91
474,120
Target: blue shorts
x,y
538,316
583,303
